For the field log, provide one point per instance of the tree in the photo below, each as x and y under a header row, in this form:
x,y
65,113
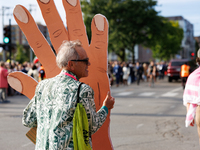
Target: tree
x,y
21,54
169,42
139,23
131,22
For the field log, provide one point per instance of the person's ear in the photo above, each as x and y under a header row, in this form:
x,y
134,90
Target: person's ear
x,y
70,65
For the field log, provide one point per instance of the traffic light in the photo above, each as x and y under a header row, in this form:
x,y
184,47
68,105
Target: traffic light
x,y
7,38
7,34
192,55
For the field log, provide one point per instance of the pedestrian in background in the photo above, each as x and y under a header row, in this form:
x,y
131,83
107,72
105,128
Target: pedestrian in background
x,y
145,68
33,72
185,71
151,73
160,70
42,74
139,72
24,68
110,73
116,72
120,73
132,72
3,82
126,72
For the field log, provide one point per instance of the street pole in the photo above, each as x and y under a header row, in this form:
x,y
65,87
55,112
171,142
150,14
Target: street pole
x,y
3,9
4,53
10,45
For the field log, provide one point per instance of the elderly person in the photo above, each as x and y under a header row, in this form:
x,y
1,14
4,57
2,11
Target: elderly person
x,y
53,105
191,97
3,82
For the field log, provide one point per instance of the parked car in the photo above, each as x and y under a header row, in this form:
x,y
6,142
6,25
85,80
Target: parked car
x,y
174,69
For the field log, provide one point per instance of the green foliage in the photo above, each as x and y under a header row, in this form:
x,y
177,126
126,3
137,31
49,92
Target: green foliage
x,y
169,42
21,54
130,22
133,22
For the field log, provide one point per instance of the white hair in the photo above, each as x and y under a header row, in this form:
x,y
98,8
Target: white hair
x,y
67,52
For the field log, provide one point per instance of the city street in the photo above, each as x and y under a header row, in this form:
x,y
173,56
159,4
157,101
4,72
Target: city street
x,y
147,118
144,118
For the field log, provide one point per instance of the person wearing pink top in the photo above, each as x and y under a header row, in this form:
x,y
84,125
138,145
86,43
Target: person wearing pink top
x,y
191,97
3,82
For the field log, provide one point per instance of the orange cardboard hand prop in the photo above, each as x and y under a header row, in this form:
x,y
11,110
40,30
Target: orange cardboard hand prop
x,y
96,51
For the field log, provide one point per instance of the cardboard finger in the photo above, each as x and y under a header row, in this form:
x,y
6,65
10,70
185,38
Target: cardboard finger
x,y
99,41
56,28
36,40
98,78
100,84
22,83
75,24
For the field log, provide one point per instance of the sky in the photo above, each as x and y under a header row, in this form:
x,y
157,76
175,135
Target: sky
x,y
188,9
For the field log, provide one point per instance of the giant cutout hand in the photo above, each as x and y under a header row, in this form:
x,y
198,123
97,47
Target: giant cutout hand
x,y
96,51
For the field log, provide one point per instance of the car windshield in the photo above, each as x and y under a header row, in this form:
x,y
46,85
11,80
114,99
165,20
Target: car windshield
x,y
175,63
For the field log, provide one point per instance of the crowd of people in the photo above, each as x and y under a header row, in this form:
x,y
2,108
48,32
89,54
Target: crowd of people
x,y
127,73
34,69
120,73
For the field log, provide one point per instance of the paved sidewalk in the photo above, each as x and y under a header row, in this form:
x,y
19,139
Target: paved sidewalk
x,y
12,132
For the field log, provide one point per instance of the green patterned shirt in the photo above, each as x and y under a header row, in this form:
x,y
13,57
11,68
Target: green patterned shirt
x,y
52,109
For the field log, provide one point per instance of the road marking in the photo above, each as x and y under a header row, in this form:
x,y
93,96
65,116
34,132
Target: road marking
x,y
172,93
147,94
124,93
130,105
169,94
139,125
177,89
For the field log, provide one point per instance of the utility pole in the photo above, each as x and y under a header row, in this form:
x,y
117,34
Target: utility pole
x,y
10,42
3,9
30,9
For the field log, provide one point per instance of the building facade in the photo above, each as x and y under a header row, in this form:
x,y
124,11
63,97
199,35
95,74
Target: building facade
x,y
18,36
188,42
